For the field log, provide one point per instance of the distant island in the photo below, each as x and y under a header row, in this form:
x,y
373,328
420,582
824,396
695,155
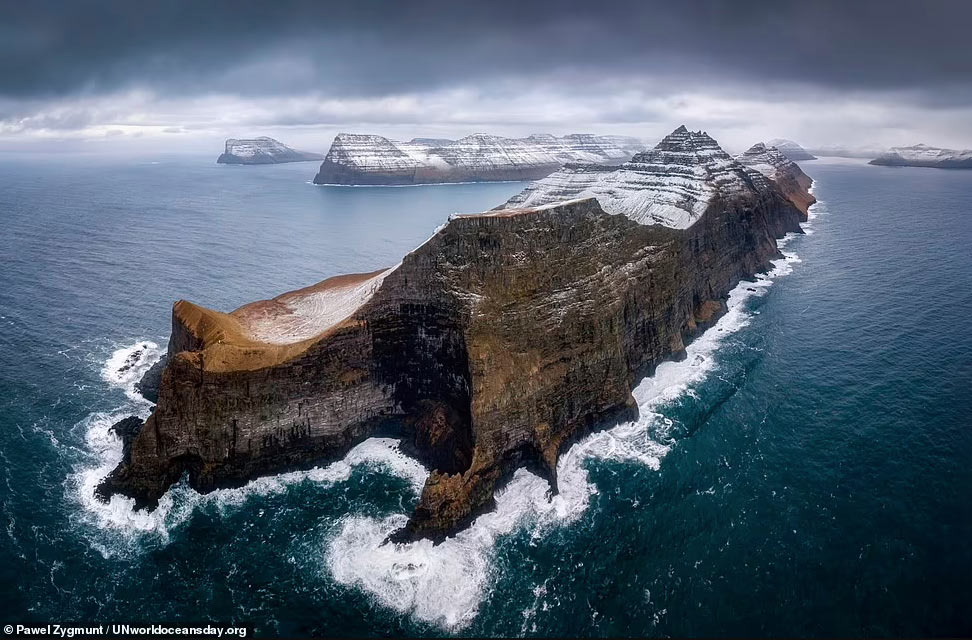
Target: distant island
x,y
494,344
922,155
867,151
262,151
363,159
791,150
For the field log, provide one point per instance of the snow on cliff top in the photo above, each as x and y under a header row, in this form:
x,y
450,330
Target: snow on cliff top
x,y
672,184
768,160
306,313
250,147
373,153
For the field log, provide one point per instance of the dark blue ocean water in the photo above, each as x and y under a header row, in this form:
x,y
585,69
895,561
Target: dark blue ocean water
x,y
806,471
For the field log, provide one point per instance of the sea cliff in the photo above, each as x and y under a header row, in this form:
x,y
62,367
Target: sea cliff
x,y
494,344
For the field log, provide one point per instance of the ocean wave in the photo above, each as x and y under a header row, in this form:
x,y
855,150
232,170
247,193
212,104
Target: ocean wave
x,y
121,529
126,366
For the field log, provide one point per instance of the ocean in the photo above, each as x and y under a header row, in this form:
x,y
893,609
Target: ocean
x,y
805,471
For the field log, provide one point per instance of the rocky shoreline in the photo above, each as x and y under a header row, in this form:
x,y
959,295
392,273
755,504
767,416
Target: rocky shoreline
x,y
495,344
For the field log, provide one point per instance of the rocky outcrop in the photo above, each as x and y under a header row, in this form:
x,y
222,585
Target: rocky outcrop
x,y
494,344
262,151
356,159
791,150
788,175
922,155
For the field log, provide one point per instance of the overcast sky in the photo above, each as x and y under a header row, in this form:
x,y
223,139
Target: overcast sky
x,y
186,74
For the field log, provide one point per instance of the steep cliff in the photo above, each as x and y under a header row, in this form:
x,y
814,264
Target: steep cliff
x,y
356,159
494,344
788,175
262,151
922,155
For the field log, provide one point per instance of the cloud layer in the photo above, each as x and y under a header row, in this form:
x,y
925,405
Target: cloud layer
x,y
83,70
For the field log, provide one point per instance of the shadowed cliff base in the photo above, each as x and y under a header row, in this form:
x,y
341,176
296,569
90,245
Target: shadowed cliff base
x,y
495,344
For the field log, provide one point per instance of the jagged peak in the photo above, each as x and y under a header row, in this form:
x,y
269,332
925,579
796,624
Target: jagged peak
x,y
682,146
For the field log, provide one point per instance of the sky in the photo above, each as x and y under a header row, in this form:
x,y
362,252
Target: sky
x,y
112,75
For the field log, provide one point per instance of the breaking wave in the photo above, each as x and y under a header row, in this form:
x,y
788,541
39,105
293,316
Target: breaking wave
x,y
441,584
126,366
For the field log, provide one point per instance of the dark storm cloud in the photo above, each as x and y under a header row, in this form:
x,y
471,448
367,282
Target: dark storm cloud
x,y
50,49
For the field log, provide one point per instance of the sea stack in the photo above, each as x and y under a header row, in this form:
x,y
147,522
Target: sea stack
x,y
494,344
262,151
358,159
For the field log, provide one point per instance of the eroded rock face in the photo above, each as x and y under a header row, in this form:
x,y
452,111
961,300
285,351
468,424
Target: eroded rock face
x,y
494,344
787,174
262,151
358,159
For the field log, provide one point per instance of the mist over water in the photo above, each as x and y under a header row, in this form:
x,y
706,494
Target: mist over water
x,y
804,471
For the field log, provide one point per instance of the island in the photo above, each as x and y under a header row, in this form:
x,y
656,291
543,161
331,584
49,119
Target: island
x,y
495,344
922,155
361,159
791,150
262,151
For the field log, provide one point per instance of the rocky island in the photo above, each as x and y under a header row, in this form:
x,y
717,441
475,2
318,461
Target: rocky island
x,y
262,151
357,159
494,344
922,155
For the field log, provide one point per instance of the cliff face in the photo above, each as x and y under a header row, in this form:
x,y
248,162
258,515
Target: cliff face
x,y
788,175
262,151
356,159
494,344
922,155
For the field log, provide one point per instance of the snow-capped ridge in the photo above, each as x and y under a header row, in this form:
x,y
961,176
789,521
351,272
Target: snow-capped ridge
x,y
373,159
672,184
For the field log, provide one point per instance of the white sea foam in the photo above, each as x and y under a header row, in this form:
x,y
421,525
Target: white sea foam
x,y
126,525
128,364
444,584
